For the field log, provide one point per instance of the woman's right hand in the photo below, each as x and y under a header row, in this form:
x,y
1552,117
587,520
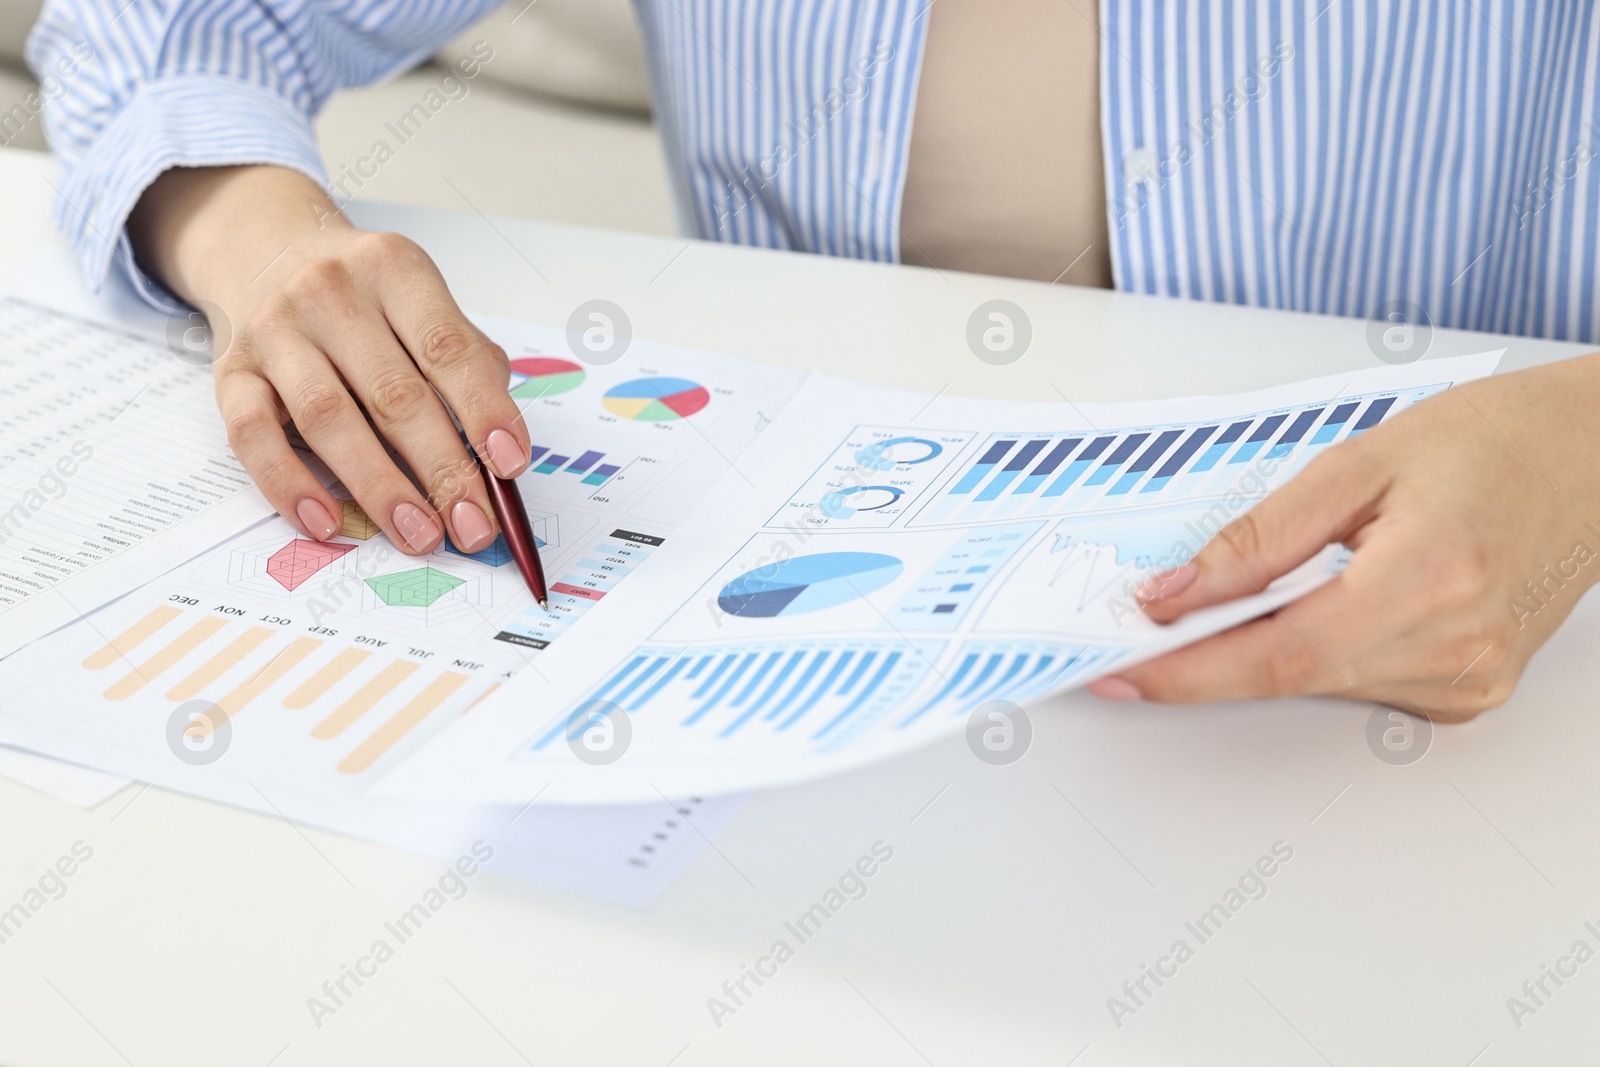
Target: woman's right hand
x,y
329,327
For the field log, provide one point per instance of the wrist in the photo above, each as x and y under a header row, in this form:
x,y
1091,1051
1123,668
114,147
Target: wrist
x,y
208,233
1546,414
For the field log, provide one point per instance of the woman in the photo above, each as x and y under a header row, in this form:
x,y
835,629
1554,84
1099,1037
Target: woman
x,y
1349,157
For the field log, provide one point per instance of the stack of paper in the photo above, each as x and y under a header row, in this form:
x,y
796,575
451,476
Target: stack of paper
x,y
757,577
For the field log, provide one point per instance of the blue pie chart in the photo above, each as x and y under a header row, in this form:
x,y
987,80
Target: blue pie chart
x,y
807,583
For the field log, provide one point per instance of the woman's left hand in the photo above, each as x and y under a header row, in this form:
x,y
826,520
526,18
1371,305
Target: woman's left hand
x,y
1473,520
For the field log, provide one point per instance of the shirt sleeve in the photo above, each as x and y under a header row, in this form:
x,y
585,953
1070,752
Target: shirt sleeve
x,y
133,88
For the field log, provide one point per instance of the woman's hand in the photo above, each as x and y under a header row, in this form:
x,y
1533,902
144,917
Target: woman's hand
x,y
1474,524
330,327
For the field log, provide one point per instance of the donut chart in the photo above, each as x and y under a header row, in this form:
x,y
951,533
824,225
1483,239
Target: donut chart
x,y
536,376
656,399
885,455
843,503
807,583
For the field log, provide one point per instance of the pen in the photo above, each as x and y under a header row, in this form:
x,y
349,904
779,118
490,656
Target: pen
x,y
518,533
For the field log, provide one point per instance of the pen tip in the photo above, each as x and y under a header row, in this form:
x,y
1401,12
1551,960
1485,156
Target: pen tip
x,y
545,604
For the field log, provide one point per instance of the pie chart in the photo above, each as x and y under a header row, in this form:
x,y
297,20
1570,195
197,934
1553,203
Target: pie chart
x,y
807,583
656,399
538,376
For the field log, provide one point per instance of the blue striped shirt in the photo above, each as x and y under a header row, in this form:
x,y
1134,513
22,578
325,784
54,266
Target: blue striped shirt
x,y
1319,156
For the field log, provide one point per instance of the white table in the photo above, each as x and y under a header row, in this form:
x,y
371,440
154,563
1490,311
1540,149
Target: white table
x,y
1019,898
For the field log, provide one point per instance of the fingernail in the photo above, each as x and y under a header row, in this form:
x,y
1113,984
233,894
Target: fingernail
x,y
415,527
505,454
472,527
315,518
1171,583
1114,688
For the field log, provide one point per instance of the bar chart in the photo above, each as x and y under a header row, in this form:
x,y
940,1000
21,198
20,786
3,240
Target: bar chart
x,y
373,699
827,691
1007,670
1072,473
587,466
829,694
943,595
588,471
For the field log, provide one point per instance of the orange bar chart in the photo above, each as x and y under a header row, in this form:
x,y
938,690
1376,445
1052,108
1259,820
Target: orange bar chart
x,y
361,702
262,680
203,653
220,664
329,675
131,638
165,659
403,722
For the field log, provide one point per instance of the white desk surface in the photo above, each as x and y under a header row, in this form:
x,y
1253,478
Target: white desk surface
x,y
1019,898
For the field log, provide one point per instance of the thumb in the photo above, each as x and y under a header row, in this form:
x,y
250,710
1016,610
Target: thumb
x,y
1328,501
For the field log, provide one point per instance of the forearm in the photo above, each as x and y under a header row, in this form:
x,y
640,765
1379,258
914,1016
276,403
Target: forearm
x,y
209,233
205,84
1548,412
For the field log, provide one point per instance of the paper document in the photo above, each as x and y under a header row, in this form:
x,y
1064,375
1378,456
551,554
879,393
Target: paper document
x,y
65,781
621,853
283,674
882,566
114,466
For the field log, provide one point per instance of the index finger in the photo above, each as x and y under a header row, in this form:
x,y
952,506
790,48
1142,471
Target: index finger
x,y
469,370
1306,647
1332,498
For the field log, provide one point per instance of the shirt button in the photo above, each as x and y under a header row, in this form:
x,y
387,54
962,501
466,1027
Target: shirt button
x,y
1139,165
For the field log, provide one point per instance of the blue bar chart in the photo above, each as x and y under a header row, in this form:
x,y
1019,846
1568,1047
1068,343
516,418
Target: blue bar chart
x,y
1214,453
1334,423
1119,455
942,597
1147,459
1012,469
1191,444
1007,670
828,691
1019,475
1079,464
985,466
1297,430
1373,414
1259,436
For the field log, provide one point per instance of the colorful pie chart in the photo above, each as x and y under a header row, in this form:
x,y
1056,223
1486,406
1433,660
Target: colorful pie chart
x,y
537,376
656,399
807,583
